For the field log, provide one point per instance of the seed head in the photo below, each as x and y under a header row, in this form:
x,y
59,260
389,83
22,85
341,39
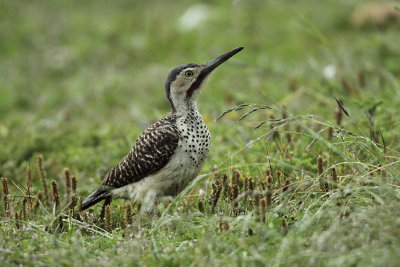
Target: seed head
x,y
338,113
108,224
4,182
28,177
334,175
67,180
128,214
56,196
235,176
251,184
24,217
267,172
16,216
320,165
269,192
73,184
216,191
262,208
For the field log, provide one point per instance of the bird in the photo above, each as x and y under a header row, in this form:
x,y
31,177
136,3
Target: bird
x,y
169,154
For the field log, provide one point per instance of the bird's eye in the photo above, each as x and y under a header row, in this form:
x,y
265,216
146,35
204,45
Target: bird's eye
x,y
188,73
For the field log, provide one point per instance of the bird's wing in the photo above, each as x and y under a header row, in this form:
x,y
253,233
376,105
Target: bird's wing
x,y
152,151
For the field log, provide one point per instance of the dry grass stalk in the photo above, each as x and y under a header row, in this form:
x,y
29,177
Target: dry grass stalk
x,y
56,196
286,126
73,184
246,184
234,195
234,191
330,133
43,177
323,184
320,165
227,192
278,175
256,199
29,176
24,215
4,182
107,214
245,187
269,192
215,194
67,181
224,179
334,175
106,202
37,201
128,214
339,114
29,185
262,205
16,216
267,172
251,184
235,176
275,134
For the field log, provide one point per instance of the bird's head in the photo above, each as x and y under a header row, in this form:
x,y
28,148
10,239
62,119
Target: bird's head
x,y
185,82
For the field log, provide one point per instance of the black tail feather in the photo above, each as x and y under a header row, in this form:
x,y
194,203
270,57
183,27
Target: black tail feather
x,y
94,198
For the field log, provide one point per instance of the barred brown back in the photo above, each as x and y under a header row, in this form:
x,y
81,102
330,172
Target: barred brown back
x,y
152,151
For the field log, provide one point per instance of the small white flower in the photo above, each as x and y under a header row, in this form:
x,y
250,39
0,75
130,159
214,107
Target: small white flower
x,y
329,71
201,192
193,16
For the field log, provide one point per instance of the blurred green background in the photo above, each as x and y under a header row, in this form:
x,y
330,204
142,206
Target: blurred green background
x,y
81,79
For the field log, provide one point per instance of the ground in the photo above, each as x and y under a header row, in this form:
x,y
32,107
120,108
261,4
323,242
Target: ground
x,y
318,81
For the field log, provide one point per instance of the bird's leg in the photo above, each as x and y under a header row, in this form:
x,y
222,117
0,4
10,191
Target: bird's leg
x,y
107,201
150,203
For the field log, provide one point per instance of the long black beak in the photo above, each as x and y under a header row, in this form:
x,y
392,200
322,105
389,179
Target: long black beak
x,y
211,65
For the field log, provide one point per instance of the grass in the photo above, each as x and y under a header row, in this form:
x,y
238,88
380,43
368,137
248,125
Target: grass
x,y
80,81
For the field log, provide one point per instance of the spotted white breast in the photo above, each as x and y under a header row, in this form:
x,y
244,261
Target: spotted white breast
x,y
183,167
